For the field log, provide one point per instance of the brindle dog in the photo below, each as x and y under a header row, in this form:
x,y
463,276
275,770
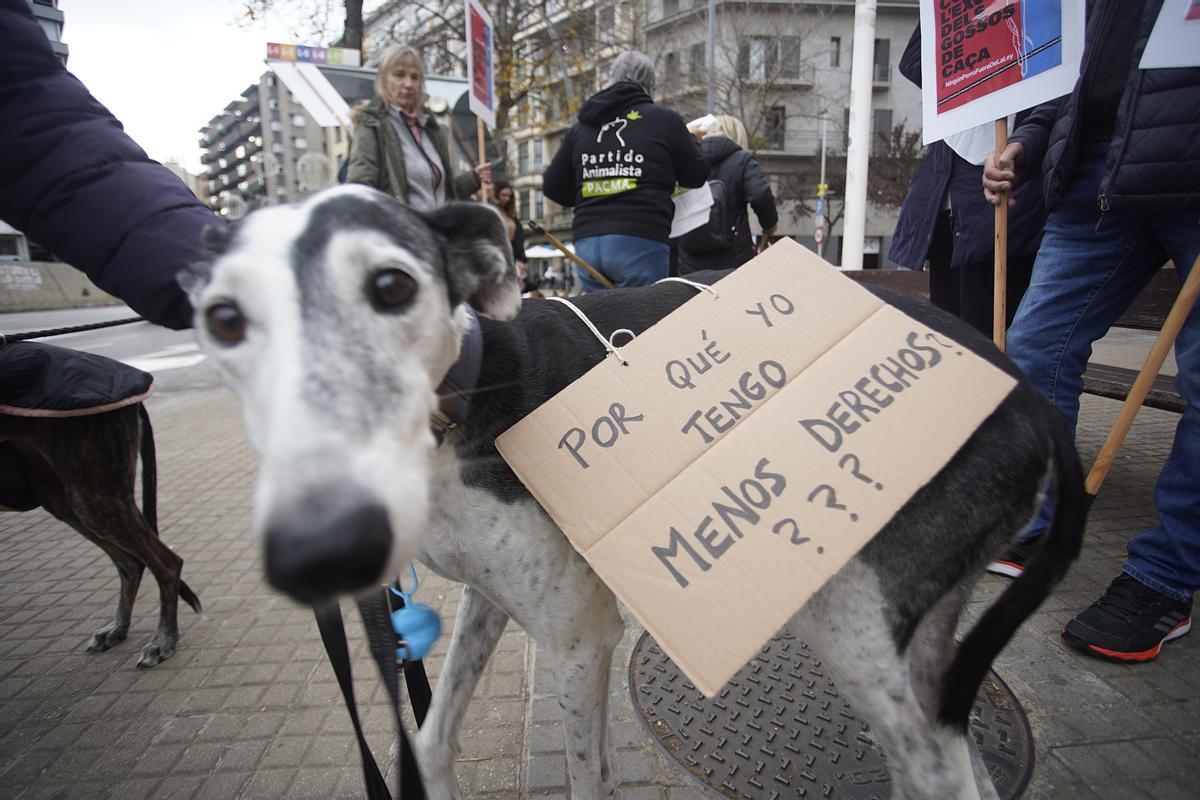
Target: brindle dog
x,y
82,469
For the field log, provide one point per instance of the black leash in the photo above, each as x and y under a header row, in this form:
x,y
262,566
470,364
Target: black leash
x,y
377,619
5,338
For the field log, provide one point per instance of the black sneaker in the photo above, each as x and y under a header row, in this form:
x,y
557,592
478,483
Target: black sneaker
x,y
1012,563
1130,622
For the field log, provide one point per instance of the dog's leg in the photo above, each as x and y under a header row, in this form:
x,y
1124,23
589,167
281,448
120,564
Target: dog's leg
x,y
128,568
580,664
477,629
929,653
845,625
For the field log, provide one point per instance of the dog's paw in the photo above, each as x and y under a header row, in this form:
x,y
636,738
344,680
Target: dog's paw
x,y
159,649
106,637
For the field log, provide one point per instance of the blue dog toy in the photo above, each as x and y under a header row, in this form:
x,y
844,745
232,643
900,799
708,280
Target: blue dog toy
x,y
417,626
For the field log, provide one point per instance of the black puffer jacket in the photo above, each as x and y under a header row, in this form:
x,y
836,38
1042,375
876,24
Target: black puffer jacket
x,y
744,183
1154,153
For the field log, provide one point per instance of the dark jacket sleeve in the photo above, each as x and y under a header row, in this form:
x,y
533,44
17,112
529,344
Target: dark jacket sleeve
x,y
518,243
558,181
73,181
365,160
910,59
691,167
1034,134
758,193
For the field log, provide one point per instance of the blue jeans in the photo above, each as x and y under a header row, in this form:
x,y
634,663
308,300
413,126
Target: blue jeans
x,y
1089,269
625,260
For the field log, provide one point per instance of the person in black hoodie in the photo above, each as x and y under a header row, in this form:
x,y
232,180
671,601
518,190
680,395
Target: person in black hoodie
x,y
618,166
743,182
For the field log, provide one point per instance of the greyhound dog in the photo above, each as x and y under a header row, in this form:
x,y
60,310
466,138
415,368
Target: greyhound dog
x,y
82,469
337,319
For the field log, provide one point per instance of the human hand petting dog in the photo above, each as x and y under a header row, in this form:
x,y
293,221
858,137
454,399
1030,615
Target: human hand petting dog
x,y
1001,176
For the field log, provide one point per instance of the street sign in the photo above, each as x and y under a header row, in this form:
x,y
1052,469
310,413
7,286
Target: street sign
x,y
819,235
338,56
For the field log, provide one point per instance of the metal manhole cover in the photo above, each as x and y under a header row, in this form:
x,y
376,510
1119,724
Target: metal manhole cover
x,y
780,730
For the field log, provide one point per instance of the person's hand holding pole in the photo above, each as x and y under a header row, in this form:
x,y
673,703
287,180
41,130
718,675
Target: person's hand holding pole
x,y
1001,175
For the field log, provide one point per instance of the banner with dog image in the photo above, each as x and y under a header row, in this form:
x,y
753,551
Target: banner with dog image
x,y
745,448
982,60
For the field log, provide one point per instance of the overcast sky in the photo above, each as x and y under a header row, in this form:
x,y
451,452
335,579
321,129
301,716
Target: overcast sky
x,y
166,67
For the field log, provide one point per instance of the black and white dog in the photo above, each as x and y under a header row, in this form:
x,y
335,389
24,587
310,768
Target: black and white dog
x,y
336,320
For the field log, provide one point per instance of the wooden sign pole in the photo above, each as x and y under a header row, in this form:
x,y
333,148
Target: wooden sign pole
x,y
485,189
1141,385
1000,271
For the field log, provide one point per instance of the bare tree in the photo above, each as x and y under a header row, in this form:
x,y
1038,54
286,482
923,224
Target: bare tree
x,y
311,20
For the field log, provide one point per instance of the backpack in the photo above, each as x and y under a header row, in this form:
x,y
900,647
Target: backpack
x,y
717,233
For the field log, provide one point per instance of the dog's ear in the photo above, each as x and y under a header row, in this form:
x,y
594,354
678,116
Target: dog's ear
x,y
478,257
194,277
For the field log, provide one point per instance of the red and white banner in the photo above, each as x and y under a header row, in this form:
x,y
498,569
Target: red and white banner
x,y
982,60
481,78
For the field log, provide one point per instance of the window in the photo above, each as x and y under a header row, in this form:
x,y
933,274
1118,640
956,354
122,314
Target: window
x,y
883,67
298,120
10,248
789,60
606,19
835,51
337,135
670,7
698,75
757,57
672,69
537,159
774,127
240,152
881,130
539,208
522,158
845,129
523,203
299,143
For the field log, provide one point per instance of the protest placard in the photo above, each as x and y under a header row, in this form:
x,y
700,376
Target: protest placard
x,y
753,444
481,79
982,60
1175,39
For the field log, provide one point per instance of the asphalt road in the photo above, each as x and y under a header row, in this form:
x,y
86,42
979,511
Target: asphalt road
x,y
171,356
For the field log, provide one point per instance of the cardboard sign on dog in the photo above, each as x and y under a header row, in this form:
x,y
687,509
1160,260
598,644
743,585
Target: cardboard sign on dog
x,y
754,442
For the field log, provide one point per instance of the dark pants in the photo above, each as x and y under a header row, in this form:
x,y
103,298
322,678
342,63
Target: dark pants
x,y
966,291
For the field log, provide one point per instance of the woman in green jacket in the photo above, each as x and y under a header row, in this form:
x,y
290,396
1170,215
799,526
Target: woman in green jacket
x,y
398,146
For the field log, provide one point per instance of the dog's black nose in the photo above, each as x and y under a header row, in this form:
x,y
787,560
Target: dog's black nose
x,y
335,544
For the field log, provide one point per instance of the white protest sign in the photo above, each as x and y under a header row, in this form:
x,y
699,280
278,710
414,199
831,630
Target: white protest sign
x,y
691,209
753,444
982,60
1175,39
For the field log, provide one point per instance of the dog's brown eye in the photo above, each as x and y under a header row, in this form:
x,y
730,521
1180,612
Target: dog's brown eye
x,y
226,323
391,289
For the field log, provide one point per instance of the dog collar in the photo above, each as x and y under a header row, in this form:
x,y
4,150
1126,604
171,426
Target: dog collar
x,y
454,393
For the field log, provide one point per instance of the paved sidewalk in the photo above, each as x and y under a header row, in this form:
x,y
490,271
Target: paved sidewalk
x,y
248,707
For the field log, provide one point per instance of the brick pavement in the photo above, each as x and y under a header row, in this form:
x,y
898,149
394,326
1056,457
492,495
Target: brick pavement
x,y
248,707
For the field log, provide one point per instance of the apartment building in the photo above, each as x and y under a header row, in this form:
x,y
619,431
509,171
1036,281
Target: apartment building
x,y
264,148
783,68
